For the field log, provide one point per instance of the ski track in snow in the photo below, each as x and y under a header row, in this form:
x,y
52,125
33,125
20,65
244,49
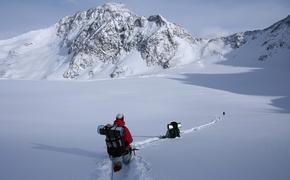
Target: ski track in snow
x,y
138,168
202,126
153,140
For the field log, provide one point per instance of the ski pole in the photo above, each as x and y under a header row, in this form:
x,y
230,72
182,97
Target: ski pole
x,y
112,173
134,149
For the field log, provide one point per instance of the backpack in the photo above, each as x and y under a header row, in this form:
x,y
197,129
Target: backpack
x,y
114,139
173,130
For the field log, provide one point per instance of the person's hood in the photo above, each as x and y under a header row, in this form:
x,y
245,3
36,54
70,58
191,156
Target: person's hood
x,y
119,122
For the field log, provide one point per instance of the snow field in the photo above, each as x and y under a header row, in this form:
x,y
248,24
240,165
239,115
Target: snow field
x,y
48,130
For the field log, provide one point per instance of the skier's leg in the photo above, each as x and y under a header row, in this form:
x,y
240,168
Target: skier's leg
x,y
117,163
127,157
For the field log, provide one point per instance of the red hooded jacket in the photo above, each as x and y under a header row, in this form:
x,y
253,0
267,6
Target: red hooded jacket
x,y
127,135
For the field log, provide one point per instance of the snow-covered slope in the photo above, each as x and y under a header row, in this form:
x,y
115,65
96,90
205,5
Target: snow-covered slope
x,y
30,56
262,45
111,41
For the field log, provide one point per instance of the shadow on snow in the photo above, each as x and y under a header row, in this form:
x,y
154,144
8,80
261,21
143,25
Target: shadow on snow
x,y
68,150
261,82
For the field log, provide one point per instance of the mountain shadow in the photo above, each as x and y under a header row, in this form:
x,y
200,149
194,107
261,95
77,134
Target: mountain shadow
x,y
261,82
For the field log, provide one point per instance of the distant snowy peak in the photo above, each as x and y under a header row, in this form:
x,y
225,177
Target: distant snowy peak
x,y
270,39
87,22
279,31
276,37
108,33
280,26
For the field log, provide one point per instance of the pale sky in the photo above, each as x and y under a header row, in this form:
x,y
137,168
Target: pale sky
x,y
203,18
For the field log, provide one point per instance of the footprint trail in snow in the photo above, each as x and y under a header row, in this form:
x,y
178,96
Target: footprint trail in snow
x,y
139,168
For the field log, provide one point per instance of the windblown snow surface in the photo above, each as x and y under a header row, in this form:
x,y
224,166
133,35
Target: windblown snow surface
x,y
48,128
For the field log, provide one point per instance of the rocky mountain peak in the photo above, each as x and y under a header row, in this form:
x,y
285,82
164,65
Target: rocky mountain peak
x,y
158,19
108,33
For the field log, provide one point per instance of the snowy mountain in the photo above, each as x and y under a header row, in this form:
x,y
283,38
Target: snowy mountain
x,y
107,34
261,44
111,41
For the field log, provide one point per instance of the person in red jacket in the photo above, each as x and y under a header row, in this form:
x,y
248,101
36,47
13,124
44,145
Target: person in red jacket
x,y
127,138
